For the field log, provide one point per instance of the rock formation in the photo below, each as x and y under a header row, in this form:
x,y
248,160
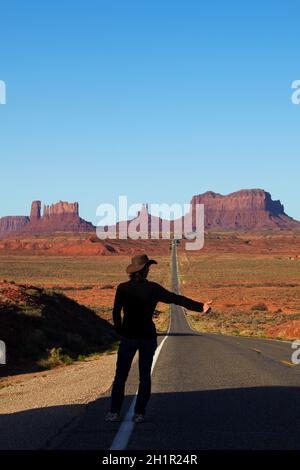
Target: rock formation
x,y
59,217
251,209
62,208
246,210
144,222
35,213
12,223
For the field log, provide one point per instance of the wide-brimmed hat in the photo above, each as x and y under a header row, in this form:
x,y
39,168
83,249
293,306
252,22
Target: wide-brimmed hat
x,y
138,262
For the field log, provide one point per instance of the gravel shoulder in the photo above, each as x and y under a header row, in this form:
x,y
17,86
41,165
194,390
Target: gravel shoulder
x,y
35,409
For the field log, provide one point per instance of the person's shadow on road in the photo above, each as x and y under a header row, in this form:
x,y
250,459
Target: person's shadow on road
x,y
243,418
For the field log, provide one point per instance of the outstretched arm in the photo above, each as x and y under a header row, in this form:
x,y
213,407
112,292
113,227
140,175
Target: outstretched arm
x,y
168,297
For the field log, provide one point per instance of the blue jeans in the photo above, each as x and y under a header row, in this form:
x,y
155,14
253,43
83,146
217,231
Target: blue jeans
x,y
128,348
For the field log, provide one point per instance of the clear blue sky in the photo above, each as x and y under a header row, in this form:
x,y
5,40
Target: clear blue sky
x,y
157,100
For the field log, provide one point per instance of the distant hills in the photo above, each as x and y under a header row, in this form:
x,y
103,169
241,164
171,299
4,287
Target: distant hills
x,y
245,210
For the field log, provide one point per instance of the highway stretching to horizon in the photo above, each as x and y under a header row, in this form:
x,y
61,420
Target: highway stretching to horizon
x,y
209,392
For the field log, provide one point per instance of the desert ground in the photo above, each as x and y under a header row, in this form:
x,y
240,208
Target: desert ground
x,y
253,279
91,281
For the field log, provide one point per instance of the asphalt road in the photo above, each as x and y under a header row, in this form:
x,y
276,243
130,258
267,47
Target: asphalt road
x,y
209,392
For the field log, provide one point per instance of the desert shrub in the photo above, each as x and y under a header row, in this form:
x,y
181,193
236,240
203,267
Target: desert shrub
x,y
51,331
75,341
33,292
32,343
110,248
261,307
30,310
55,358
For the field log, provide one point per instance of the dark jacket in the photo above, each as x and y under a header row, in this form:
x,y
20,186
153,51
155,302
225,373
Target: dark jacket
x,y
138,299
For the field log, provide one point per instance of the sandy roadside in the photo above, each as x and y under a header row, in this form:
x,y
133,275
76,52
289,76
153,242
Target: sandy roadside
x,y
35,409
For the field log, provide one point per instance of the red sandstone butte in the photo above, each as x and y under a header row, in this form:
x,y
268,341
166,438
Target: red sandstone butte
x,y
248,209
59,217
245,210
35,213
12,223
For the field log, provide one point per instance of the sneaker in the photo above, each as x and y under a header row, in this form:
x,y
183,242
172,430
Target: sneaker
x,y
112,417
138,418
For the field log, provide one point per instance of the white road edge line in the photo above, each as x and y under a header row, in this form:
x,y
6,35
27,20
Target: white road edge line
x,y
123,435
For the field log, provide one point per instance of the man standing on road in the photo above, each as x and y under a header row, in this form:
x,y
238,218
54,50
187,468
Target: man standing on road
x,y
138,298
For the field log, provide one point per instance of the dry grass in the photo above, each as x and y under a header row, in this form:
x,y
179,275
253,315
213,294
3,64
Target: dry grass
x,y
253,294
